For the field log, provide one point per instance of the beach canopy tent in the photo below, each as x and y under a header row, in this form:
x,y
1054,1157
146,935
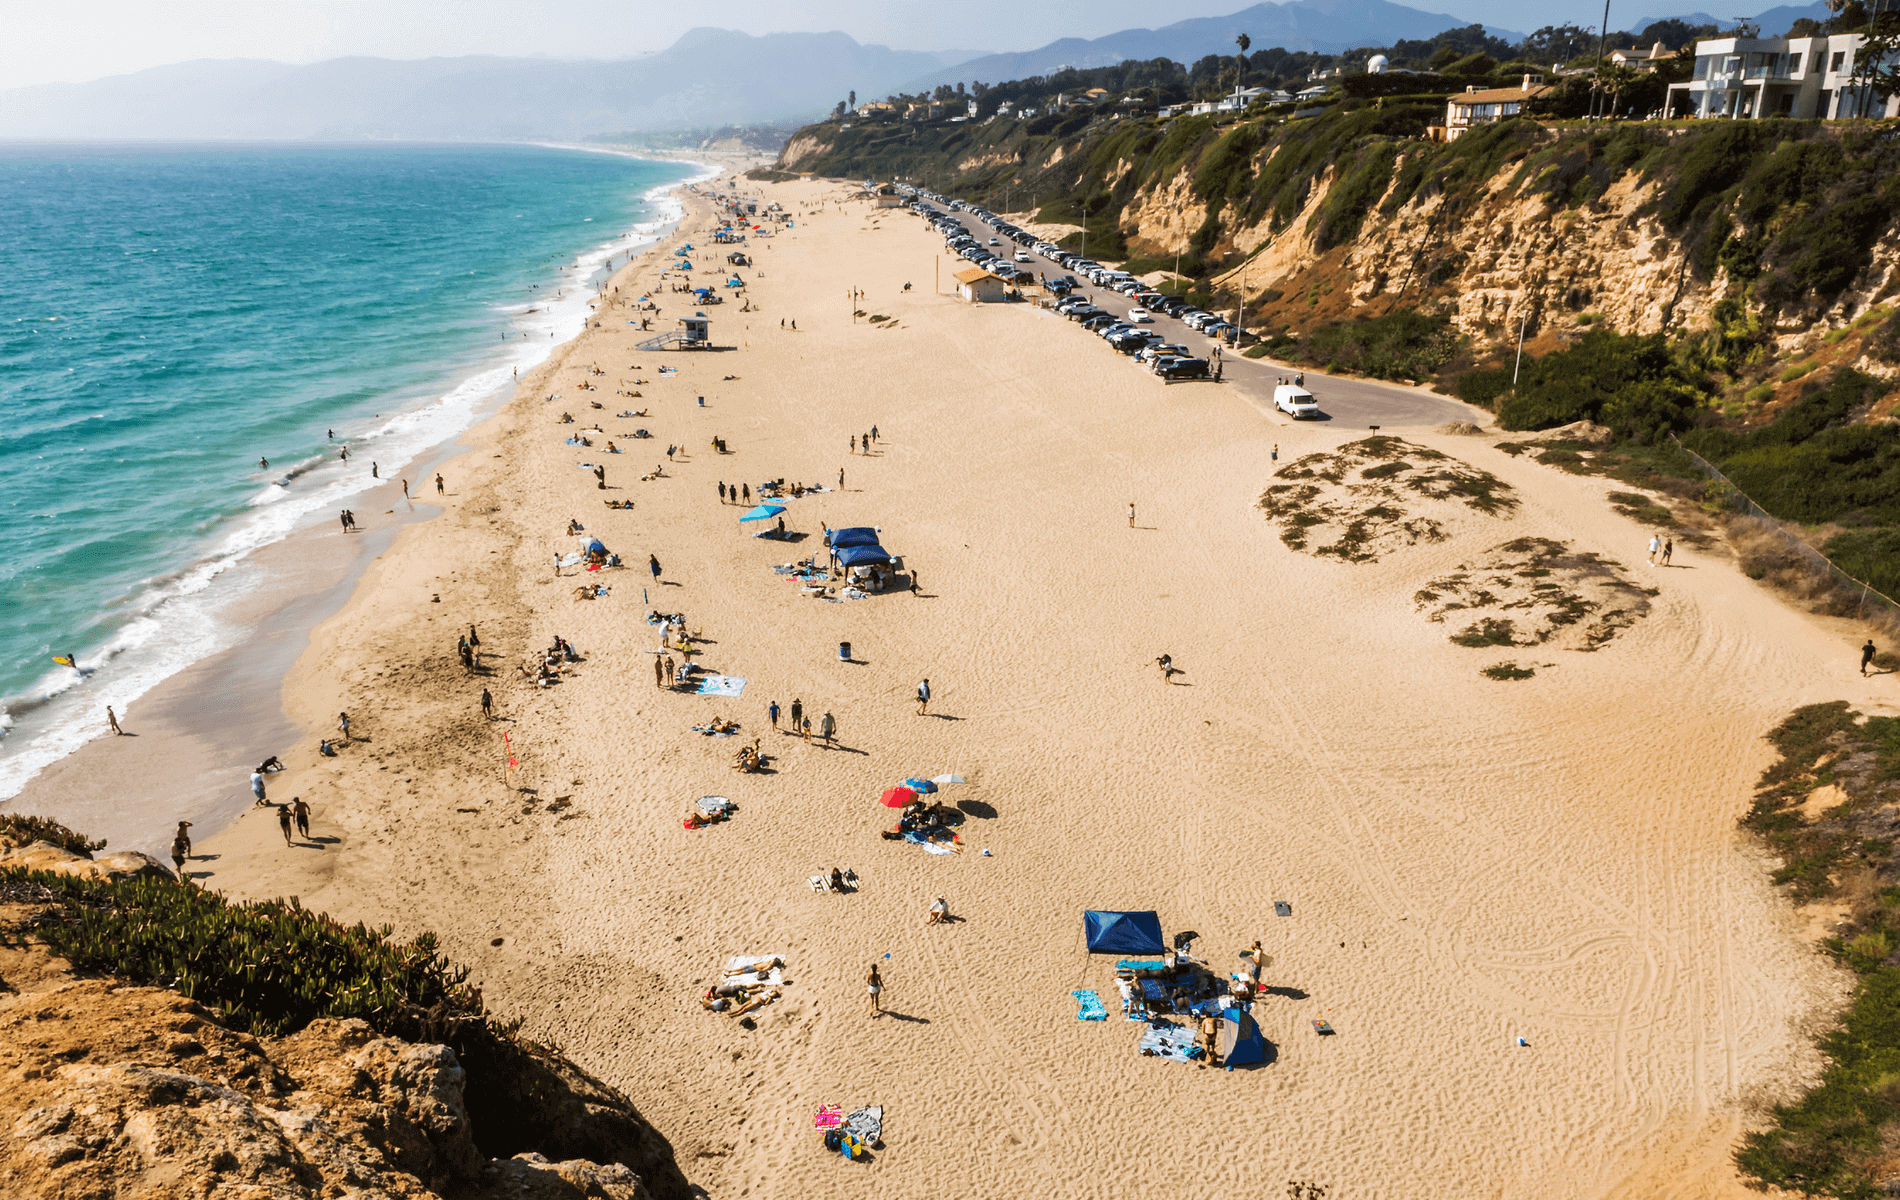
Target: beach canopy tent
x,y
858,535
1239,1040
863,556
763,512
594,545
1123,932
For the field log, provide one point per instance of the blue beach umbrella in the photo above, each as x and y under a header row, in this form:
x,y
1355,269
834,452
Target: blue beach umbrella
x,y
923,787
763,512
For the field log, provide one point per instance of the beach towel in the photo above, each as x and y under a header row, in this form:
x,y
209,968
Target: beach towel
x,y
722,685
919,839
1140,964
1282,908
828,1116
1172,1042
1091,1006
740,962
867,1123
714,804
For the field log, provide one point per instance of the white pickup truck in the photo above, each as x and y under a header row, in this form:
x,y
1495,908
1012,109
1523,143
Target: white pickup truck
x,y
1295,402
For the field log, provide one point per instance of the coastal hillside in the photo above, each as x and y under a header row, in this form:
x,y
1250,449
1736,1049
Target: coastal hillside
x,y
1346,210
157,1032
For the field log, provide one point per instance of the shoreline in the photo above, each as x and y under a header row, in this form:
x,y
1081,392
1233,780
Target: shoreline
x,y
211,720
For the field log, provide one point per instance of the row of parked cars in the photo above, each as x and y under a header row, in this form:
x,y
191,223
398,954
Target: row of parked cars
x,y
1165,359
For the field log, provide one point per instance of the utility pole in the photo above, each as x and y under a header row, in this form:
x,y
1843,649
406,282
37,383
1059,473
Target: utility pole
x,y
1520,348
1603,41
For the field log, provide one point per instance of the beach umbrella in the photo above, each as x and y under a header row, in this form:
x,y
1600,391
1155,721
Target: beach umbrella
x,y
763,512
898,797
923,787
948,779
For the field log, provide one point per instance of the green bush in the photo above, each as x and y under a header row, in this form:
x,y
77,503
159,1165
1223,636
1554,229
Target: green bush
x,y
1400,345
1628,382
1483,386
25,830
1869,555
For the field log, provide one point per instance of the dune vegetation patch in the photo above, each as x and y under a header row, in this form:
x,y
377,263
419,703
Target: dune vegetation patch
x,y
1376,495
1534,591
1508,670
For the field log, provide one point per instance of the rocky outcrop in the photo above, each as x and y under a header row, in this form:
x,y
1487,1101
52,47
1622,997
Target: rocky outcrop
x,y
136,1092
122,864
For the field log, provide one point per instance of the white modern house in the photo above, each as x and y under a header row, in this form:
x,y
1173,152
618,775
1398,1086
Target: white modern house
x,y
1803,77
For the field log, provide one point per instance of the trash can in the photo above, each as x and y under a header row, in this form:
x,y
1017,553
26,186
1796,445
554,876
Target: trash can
x,y
844,651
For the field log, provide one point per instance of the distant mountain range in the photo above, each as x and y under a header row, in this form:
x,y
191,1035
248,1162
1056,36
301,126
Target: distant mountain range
x,y
1321,26
1774,22
709,77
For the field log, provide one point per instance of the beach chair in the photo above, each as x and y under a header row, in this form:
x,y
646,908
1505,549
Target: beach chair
x,y
818,883
1323,1027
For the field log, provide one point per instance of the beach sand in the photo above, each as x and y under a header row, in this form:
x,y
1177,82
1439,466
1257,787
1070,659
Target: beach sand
x,y
1467,862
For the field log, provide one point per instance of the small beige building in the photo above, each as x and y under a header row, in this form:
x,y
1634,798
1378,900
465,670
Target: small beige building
x,y
980,287
1486,106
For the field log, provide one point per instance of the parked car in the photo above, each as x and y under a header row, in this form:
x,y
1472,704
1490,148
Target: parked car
x,y
1171,369
1295,402
1141,316
1158,350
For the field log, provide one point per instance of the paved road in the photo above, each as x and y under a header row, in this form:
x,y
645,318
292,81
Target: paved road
x,y
1352,403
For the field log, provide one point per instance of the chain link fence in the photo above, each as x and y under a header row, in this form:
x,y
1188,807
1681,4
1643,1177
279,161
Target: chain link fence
x,y
1850,596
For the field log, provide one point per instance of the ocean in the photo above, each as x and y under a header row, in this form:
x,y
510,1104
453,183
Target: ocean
x,y
174,318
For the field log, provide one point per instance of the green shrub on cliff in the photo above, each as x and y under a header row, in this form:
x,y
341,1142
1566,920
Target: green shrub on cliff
x,y
24,830
1400,345
271,967
1632,384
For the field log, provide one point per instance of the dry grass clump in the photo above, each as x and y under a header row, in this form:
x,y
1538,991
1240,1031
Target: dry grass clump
x,y
1771,555
1534,591
1375,495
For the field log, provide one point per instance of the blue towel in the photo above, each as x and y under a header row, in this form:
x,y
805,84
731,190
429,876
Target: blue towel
x,y
1092,1009
1171,1042
1140,964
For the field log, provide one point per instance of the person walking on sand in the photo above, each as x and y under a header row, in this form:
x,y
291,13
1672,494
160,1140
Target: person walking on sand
x,y
343,723
181,851
854,443
798,714
474,641
1866,656
659,672
653,565
343,519
722,493
1166,663
874,984
488,705
257,785
771,710
1276,452
438,483
1655,548
112,719
1259,957
283,821
672,671
1131,514
301,811
405,489
1669,548
874,436
828,729
804,729
841,479
923,697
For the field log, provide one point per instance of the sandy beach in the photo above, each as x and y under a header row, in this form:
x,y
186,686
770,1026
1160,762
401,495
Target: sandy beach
x,y
1466,862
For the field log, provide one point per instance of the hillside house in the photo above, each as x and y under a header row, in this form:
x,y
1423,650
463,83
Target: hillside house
x,y
1487,106
1645,61
1805,78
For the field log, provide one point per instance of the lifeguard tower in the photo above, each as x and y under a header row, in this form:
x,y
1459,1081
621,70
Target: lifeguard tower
x,y
691,333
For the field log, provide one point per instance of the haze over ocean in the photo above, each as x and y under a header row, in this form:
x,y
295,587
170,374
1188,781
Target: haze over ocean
x,y
172,314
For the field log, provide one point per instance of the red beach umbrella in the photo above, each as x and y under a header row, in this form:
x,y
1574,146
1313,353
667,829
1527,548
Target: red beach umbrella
x,y
898,797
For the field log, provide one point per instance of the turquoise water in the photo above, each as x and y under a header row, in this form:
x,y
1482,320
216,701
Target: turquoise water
x,y
170,315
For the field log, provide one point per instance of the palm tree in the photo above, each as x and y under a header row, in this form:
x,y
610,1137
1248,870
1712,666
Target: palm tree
x,y
1240,60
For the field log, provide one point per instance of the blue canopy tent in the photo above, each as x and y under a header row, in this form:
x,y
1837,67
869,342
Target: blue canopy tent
x,y
857,535
863,556
1123,932
1239,1040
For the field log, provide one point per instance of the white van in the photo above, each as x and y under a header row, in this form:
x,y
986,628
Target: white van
x,y
1295,402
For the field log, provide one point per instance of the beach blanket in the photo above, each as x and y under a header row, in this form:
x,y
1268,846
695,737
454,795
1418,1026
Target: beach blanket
x,y
1172,1042
568,560
867,1123
1141,964
722,685
1091,1006
917,838
714,804
740,962
828,1116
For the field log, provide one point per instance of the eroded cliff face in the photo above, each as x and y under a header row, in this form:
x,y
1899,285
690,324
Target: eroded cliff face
x,y
128,1092
1504,258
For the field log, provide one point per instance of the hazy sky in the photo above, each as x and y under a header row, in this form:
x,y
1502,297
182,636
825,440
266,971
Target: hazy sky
x,y
49,41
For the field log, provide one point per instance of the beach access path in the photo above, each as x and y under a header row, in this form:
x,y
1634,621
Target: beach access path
x,y
1467,862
